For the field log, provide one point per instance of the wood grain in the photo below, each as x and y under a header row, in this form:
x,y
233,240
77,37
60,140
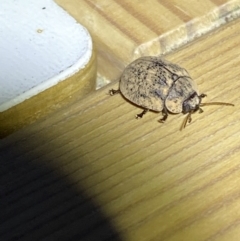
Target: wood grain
x,y
153,181
150,181
125,30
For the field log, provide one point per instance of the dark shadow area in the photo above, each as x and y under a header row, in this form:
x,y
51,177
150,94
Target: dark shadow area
x,y
38,203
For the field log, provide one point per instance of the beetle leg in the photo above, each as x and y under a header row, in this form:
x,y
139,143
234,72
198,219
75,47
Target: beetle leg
x,y
202,95
190,118
165,116
200,110
142,113
113,92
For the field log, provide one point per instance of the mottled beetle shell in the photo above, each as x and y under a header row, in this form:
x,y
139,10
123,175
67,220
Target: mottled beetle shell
x,y
155,84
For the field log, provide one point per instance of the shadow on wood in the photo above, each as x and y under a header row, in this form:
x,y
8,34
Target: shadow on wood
x,y
40,203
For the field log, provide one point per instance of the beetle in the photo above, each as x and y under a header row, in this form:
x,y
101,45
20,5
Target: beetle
x,y
156,84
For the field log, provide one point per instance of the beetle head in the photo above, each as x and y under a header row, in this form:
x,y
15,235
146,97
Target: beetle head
x,y
192,103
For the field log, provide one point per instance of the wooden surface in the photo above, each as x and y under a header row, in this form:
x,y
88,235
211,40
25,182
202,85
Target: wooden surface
x,y
92,171
121,28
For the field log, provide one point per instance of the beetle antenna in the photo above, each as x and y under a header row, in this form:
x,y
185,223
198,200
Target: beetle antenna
x,y
186,120
188,117
216,103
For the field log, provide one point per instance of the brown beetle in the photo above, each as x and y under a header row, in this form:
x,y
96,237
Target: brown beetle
x,y
158,85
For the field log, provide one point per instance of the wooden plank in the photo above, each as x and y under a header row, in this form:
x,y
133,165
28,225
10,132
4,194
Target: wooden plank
x,y
151,180
125,30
